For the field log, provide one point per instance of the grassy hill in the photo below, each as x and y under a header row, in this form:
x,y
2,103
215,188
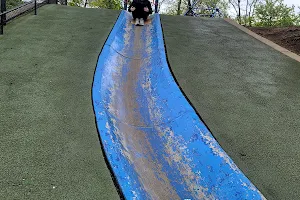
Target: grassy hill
x,y
48,138
248,95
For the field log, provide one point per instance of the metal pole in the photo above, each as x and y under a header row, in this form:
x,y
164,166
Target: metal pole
x,y
156,6
1,26
125,4
35,12
239,3
3,17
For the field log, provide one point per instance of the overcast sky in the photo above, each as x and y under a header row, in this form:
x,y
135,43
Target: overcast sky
x,y
291,2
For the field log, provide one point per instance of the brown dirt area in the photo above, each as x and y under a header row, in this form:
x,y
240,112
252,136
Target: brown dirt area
x,y
287,37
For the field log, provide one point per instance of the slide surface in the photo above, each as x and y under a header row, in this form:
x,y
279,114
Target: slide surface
x,y
156,144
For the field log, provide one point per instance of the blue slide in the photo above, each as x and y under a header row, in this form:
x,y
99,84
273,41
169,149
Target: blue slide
x,y
155,143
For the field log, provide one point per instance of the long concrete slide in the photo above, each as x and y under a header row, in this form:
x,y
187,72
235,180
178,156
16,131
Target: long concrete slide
x,y
154,141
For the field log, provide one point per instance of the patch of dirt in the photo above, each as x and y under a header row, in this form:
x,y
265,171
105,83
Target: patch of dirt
x,y
287,37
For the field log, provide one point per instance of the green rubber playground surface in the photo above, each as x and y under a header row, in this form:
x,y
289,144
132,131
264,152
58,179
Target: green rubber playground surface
x,y
247,93
48,139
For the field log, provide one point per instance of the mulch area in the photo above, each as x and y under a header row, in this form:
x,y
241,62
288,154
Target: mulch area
x,y
287,37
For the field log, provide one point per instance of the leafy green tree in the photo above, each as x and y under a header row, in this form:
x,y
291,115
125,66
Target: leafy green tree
x,y
275,13
12,3
246,20
173,7
76,3
180,6
244,10
298,21
110,4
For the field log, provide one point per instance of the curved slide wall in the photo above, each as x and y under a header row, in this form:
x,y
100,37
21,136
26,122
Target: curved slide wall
x,y
155,143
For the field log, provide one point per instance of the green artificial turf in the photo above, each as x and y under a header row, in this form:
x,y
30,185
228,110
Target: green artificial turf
x,y
48,138
247,93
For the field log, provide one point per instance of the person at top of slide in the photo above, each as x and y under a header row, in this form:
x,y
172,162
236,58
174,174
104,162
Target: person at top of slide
x,y
140,9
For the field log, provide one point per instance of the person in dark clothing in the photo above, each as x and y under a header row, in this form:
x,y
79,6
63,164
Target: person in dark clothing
x,y
140,9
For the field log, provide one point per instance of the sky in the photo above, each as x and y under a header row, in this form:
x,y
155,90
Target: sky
x,y
291,2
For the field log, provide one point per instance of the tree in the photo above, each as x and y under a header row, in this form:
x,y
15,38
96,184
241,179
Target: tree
x,y
298,21
244,10
171,7
275,13
77,3
110,4
175,7
251,4
180,6
161,3
12,3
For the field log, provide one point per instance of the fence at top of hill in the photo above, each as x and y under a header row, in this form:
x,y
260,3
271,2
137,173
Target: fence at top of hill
x,y
8,15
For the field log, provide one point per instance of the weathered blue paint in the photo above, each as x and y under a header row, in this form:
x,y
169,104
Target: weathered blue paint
x,y
155,143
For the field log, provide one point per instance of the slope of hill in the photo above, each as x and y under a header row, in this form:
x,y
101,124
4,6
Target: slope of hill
x,y
48,137
248,95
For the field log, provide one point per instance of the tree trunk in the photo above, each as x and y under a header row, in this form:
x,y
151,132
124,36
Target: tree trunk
x,y
247,17
178,7
85,4
252,7
239,15
3,17
249,20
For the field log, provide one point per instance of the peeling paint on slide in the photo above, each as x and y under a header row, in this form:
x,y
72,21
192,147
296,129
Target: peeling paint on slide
x,y
155,143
